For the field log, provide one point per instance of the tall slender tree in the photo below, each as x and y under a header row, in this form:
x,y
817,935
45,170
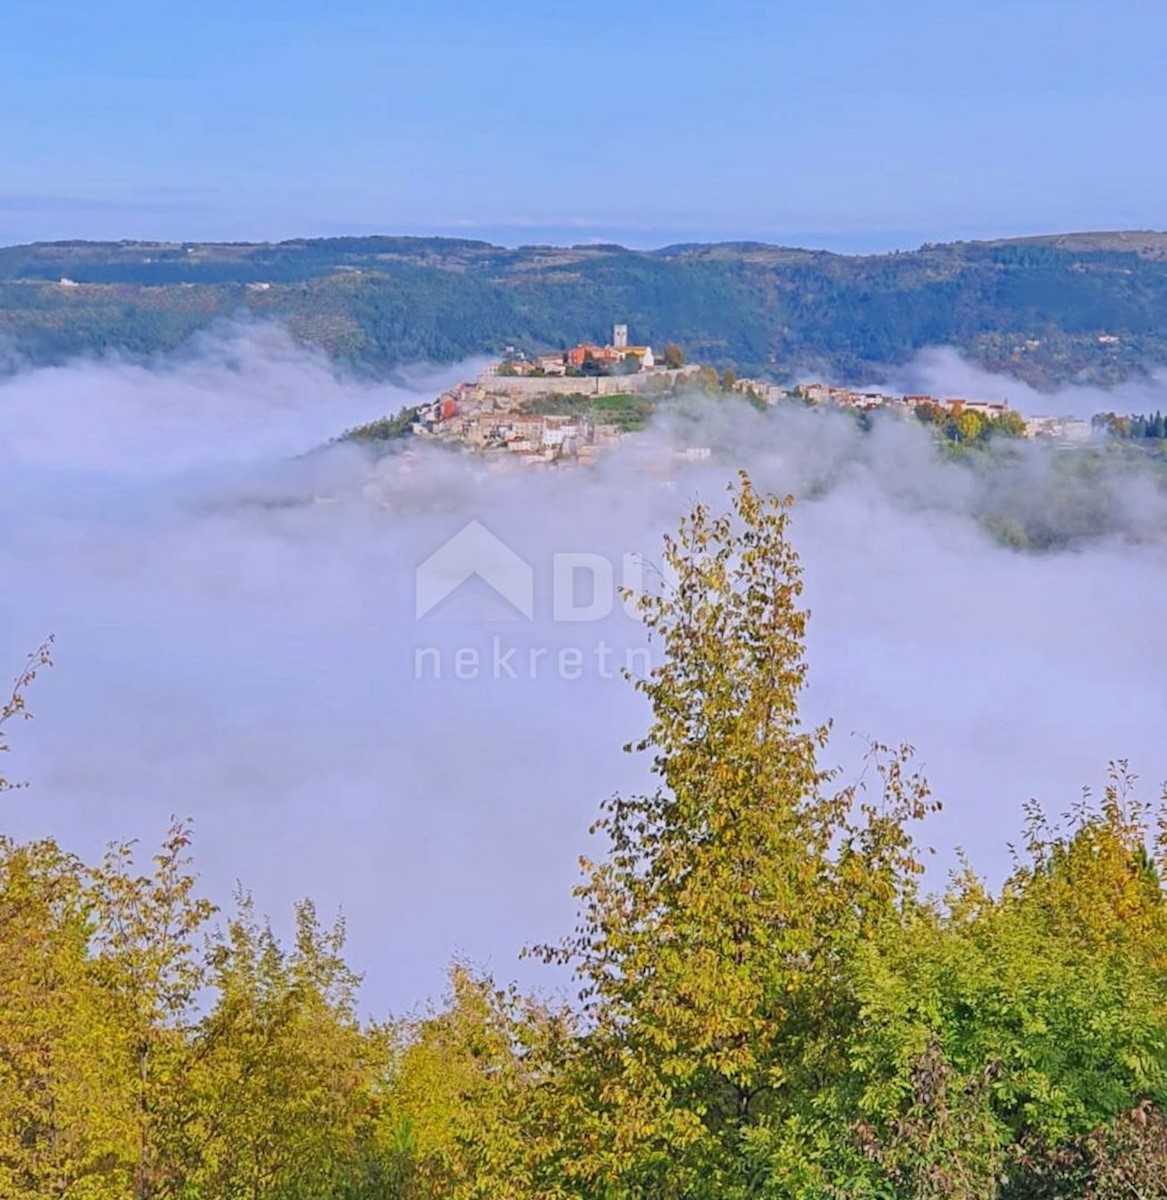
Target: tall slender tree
x,y
708,934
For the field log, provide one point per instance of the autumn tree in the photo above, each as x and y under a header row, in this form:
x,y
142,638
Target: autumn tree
x,y
148,927
1038,1012
63,1128
282,1089
478,1097
674,356
708,933
64,1111
1010,423
966,426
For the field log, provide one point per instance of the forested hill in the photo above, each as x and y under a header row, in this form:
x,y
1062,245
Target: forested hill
x,y
1048,309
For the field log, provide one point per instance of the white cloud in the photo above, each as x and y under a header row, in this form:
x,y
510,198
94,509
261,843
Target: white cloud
x,y
233,648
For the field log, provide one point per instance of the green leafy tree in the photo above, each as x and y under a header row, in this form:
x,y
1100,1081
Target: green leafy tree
x,y
386,429
147,927
1009,424
477,1097
1041,1007
709,932
64,1108
966,426
282,1096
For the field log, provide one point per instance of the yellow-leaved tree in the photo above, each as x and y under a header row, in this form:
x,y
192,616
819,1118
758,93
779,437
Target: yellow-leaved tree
x,y
472,1108
711,935
283,1092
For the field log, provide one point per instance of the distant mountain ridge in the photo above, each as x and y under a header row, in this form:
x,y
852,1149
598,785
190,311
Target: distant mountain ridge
x,y
1088,306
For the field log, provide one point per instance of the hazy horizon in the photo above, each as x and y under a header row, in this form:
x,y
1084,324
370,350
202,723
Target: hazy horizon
x,y
647,241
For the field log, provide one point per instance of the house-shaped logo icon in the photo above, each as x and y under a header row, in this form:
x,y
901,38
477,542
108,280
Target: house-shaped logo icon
x,y
475,553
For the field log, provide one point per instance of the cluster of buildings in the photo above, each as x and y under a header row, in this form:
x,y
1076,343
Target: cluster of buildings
x,y
495,412
1064,430
821,393
618,353
482,419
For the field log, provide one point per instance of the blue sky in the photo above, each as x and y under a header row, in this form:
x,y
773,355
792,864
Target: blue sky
x,y
838,123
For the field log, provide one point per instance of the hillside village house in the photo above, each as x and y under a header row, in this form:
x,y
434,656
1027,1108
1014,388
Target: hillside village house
x,y
989,409
822,393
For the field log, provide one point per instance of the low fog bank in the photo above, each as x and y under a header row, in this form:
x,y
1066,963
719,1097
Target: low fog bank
x,y
1025,494
237,636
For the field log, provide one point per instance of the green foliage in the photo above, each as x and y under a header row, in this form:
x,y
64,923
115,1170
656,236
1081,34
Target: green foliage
x,y
967,427
628,411
283,1052
475,1101
709,933
772,1007
1009,424
386,429
137,1063
1080,490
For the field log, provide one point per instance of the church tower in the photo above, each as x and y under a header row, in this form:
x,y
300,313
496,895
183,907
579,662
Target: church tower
x,y
620,337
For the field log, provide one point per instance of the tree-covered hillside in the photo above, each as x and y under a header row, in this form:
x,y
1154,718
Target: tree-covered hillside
x,y
1089,306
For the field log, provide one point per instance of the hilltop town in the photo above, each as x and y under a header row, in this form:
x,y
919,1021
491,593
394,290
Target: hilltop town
x,y
572,405
567,406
